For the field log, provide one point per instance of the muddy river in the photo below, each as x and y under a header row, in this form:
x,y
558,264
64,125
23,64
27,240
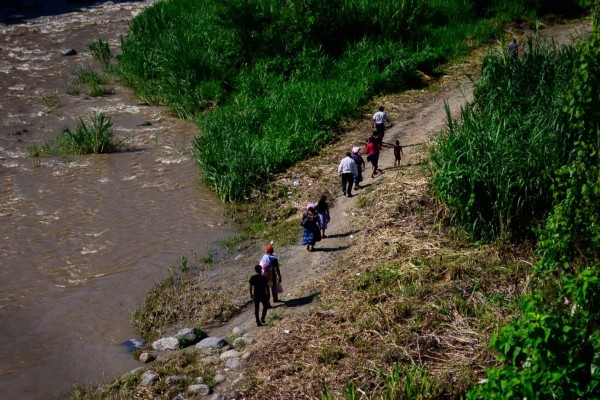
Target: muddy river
x,y
83,238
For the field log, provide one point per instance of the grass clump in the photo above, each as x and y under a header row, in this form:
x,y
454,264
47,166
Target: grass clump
x,y
85,76
50,100
94,137
494,166
101,52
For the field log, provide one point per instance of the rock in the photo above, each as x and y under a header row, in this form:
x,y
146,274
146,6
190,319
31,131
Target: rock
x,y
171,379
210,342
134,371
178,397
69,52
237,331
148,378
146,357
134,344
202,390
199,380
186,336
242,341
217,396
233,363
210,360
230,354
165,344
246,355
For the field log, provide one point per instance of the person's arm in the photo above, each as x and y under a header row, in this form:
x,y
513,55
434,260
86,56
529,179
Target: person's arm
x,y
278,273
401,152
340,168
251,296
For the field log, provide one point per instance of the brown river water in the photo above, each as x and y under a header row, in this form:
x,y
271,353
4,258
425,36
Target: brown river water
x,y
82,239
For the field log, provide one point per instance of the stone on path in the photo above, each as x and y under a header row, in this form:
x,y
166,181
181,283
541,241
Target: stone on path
x,y
69,52
237,331
219,378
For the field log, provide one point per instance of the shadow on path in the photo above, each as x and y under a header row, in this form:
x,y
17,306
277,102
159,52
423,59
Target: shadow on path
x,y
330,249
301,301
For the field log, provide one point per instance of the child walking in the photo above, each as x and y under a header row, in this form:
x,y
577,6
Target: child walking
x,y
322,210
397,153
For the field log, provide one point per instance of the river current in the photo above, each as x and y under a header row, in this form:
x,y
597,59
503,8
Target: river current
x,y
83,238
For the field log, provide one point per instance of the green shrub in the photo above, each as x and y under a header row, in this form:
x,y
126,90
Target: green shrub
x,y
101,52
553,349
494,167
95,137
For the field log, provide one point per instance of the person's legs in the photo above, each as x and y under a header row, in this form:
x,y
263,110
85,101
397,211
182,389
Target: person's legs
x,y
274,293
256,304
264,311
347,183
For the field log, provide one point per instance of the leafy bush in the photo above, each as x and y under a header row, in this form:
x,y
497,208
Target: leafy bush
x,y
553,349
494,167
93,138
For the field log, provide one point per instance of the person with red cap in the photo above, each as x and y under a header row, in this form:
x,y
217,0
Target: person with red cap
x,y
270,269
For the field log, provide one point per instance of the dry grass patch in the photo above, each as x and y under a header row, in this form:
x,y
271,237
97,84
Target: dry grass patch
x,y
409,292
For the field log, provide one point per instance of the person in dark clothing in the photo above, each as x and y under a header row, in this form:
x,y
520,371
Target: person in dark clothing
x,y
259,287
513,49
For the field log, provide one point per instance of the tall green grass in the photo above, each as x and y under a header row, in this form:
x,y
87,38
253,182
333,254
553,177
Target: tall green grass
x,y
494,167
269,81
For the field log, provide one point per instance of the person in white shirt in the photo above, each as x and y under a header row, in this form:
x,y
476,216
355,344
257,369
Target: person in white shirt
x,y
347,170
379,120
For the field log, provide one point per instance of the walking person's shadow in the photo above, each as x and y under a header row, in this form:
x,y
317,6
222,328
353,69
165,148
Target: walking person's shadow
x,y
301,301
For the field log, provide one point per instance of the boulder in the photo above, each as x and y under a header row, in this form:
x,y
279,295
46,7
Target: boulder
x,y
165,344
230,354
233,363
202,390
148,378
210,342
219,378
69,52
146,357
172,379
238,331
217,396
186,336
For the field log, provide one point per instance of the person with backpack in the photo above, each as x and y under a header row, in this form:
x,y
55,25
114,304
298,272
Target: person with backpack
x,y
312,228
270,269
259,292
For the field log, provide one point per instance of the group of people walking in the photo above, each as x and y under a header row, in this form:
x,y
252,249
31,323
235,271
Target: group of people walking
x,y
352,166
266,282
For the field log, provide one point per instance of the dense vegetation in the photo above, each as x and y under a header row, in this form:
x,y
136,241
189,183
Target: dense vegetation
x,y
493,168
552,350
527,150
270,80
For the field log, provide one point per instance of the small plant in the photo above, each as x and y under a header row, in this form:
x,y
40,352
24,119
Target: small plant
x,y
101,52
85,75
331,355
208,256
93,138
50,100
